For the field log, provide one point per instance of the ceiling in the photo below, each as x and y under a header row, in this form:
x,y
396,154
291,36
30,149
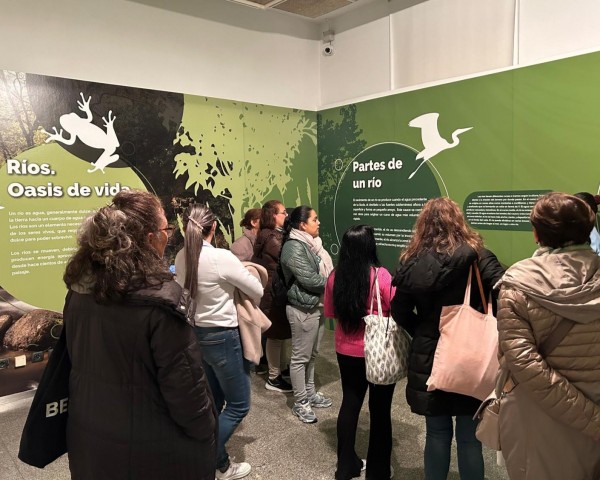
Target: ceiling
x,y
312,9
297,18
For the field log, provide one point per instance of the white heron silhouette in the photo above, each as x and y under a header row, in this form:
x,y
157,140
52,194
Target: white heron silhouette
x,y
431,138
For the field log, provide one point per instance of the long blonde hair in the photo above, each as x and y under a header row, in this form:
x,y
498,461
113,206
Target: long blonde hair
x,y
441,228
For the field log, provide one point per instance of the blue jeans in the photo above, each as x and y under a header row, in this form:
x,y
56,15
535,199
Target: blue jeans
x,y
438,440
229,379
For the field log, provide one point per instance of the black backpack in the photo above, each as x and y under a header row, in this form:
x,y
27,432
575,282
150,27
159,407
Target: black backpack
x,y
279,288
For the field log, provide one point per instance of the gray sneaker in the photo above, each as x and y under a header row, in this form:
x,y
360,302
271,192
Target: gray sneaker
x,y
318,400
303,411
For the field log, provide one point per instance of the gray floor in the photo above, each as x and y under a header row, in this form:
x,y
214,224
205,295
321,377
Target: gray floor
x,y
271,439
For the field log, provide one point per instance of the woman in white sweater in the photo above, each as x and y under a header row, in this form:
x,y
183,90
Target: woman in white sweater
x,y
211,275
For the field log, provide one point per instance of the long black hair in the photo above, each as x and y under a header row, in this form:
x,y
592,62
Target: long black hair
x,y
358,253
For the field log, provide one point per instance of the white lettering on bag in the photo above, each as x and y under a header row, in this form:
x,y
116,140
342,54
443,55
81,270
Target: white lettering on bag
x,y
55,408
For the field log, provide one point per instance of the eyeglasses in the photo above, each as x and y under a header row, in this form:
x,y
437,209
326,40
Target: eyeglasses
x,y
168,230
282,213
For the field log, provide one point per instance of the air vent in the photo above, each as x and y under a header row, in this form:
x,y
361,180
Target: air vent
x,y
305,8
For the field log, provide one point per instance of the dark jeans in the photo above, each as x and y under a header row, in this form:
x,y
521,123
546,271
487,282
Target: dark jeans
x,y
228,375
438,441
354,388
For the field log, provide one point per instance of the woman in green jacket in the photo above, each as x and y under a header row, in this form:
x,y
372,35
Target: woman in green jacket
x,y
306,266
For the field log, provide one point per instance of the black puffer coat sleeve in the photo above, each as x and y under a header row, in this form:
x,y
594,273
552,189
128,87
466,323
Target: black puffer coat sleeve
x,y
403,311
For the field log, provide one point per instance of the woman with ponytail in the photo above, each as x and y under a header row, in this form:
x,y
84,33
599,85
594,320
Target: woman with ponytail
x,y
211,275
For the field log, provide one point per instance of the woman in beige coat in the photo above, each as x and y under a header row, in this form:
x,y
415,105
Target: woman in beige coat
x,y
550,421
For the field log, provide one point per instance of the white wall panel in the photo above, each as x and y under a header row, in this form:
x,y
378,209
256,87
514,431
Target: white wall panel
x,y
552,28
442,39
129,43
360,64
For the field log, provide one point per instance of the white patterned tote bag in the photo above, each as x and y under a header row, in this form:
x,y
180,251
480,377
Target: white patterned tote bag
x,y
386,345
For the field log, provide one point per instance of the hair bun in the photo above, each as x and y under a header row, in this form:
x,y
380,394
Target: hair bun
x,y
597,199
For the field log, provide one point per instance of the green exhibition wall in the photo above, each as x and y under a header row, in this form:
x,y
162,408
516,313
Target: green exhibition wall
x,y
492,143
532,130
67,146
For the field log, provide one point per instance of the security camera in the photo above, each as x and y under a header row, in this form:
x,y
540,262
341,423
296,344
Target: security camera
x,y
328,50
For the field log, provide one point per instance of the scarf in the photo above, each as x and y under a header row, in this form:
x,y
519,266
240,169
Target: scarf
x,y
316,246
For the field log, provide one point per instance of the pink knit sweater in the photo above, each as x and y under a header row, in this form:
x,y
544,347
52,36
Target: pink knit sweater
x,y
353,345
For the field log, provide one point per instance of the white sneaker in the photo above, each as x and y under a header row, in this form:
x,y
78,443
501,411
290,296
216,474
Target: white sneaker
x,y
364,467
235,470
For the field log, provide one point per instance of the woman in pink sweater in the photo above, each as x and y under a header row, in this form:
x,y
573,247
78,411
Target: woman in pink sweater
x,y
347,298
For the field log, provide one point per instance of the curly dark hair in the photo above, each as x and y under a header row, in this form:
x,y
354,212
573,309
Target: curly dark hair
x,y
114,255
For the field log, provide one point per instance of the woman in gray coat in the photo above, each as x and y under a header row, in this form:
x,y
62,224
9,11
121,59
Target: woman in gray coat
x,y
306,266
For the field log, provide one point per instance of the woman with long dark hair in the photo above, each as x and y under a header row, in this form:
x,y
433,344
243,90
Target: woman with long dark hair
x,y
348,292
211,275
433,273
306,266
139,401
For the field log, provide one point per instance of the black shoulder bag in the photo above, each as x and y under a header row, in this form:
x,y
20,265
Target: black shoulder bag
x,y
44,436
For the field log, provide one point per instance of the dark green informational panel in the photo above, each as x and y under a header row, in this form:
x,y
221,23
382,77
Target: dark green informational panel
x,y
493,144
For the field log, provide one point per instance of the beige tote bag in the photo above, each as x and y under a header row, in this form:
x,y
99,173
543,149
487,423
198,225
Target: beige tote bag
x,y
466,357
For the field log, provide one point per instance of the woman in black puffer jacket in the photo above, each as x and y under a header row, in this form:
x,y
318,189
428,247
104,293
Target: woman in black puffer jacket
x,y
139,401
433,273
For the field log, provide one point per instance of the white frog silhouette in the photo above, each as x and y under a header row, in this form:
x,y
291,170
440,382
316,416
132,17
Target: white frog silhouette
x,y
90,134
